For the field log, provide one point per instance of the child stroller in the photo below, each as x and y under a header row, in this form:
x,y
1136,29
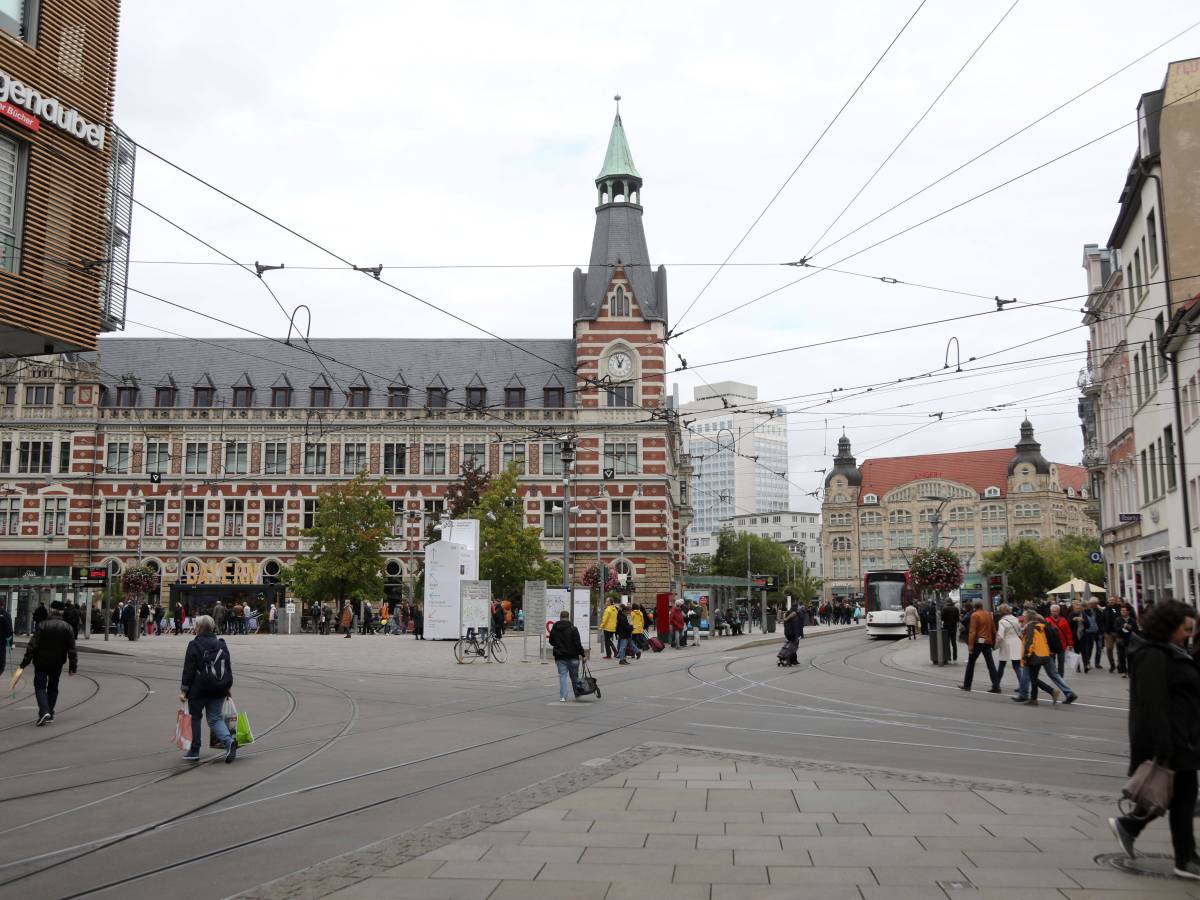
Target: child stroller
x,y
787,653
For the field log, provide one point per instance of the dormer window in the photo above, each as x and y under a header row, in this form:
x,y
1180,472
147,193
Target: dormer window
x,y
319,397
991,492
164,397
398,398
435,398
1070,492
554,398
243,397
359,397
126,396
281,397
870,498
476,397
202,396
620,303
514,397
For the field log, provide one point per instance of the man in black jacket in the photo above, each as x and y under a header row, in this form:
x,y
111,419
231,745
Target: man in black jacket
x,y
51,646
624,632
568,650
1110,627
950,620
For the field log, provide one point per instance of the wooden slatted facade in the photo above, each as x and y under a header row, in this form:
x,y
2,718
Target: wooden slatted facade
x,y
52,301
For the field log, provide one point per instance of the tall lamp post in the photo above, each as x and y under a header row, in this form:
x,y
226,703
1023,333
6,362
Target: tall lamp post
x,y
568,459
935,524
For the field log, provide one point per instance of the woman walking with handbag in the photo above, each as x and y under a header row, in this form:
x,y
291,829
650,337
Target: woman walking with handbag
x,y
1164,728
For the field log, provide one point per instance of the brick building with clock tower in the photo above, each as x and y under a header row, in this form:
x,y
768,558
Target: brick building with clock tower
x,y
205,458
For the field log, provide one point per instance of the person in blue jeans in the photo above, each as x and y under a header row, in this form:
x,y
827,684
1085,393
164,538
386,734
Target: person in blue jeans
x,y
568,651
207,681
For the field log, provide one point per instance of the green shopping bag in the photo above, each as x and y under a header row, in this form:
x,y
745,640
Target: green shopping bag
x,y
244,735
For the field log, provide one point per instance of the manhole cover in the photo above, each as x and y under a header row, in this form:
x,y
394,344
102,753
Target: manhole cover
x,y
1150,865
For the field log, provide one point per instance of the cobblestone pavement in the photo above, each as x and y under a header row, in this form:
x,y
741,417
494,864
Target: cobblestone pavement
x,y
683,823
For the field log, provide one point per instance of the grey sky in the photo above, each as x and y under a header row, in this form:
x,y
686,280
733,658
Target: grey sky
x,y
469,134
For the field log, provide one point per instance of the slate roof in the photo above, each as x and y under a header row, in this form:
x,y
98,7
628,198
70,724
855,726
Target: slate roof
x,y
978,469
619,240
423,362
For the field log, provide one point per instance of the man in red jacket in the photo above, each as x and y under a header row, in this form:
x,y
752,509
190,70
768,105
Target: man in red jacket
x,y
1064,628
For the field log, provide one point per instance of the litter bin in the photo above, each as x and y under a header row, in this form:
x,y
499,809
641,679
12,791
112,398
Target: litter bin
x,y
771,622
933,646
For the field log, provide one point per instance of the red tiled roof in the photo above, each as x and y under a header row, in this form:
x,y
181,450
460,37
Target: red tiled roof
x,y
978,469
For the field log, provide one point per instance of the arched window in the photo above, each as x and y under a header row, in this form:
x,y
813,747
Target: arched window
x,y
841,543
620,303
992,513
962,514
839,498
991,492
900,517
1026,488
1029,533
870,498
928,514
871,517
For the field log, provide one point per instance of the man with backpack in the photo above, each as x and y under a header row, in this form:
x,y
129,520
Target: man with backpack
x,y
207,681
1058,649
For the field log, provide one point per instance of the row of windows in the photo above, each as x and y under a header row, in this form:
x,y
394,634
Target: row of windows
x,y
1158,466
34,456
988,512
233,517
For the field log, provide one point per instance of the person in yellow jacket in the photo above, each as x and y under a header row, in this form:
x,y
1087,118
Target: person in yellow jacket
x,y
608,625
1036,655
638,619
383,615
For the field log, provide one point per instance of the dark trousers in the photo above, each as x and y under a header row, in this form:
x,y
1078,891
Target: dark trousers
x,y
1060,660
949,644
419,629
3,652
1122,648
912,632
1180,816
45,688
1089,644
610,648
986,650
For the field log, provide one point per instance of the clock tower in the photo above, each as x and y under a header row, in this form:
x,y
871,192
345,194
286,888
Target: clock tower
x,y
620,303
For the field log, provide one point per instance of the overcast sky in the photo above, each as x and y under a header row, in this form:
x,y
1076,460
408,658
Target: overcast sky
x,y
469,134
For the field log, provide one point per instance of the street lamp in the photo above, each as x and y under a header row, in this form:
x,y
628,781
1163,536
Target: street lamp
x,y
567,452
936,526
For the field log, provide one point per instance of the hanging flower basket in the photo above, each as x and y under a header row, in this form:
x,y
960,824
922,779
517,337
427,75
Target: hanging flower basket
x,y
936,569
139,580
591,576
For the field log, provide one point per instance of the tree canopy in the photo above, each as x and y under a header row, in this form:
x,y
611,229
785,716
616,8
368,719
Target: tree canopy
x,y
1028,567
767,557
806,587
510,553
352,524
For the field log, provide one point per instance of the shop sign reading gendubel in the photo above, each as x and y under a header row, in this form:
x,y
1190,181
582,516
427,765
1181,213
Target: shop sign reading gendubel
x,y
16,98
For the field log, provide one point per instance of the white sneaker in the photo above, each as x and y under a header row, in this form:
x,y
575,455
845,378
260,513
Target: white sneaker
x,y
562,699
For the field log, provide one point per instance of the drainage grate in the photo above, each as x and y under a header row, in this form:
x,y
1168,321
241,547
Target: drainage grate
x,y
1148,865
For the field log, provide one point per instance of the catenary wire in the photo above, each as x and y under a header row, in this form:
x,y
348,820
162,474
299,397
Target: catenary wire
x,y
803,159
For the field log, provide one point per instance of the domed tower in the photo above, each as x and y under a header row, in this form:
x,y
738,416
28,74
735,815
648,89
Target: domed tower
x,y
845,466
1029,451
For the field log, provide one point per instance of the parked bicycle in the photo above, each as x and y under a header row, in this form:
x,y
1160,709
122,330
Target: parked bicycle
x,y
475,646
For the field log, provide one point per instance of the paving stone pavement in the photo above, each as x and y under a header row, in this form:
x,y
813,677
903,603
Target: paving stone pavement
x,y
686,823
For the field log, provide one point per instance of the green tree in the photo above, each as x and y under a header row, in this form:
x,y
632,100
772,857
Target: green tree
x,y
767,557
1030,574
351,526
700,564
806,587
1069,557
510,553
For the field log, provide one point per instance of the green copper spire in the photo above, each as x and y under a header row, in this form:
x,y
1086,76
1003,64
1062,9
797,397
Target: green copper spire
x,y
618,161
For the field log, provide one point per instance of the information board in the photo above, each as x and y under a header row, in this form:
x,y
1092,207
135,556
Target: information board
x,y
443,575
476,606
533,603
582,615
558,601
465,533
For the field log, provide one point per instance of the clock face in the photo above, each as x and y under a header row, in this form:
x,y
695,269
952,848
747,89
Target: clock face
x,y
620,365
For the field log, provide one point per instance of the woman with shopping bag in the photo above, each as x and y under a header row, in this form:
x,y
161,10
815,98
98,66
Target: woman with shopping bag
x,y
206,683
1164,733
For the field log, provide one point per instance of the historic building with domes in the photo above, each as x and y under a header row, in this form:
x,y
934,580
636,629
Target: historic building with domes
x,y
875,514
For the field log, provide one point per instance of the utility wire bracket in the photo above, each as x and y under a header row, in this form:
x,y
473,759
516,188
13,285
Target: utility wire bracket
x,y
260,268
374,271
